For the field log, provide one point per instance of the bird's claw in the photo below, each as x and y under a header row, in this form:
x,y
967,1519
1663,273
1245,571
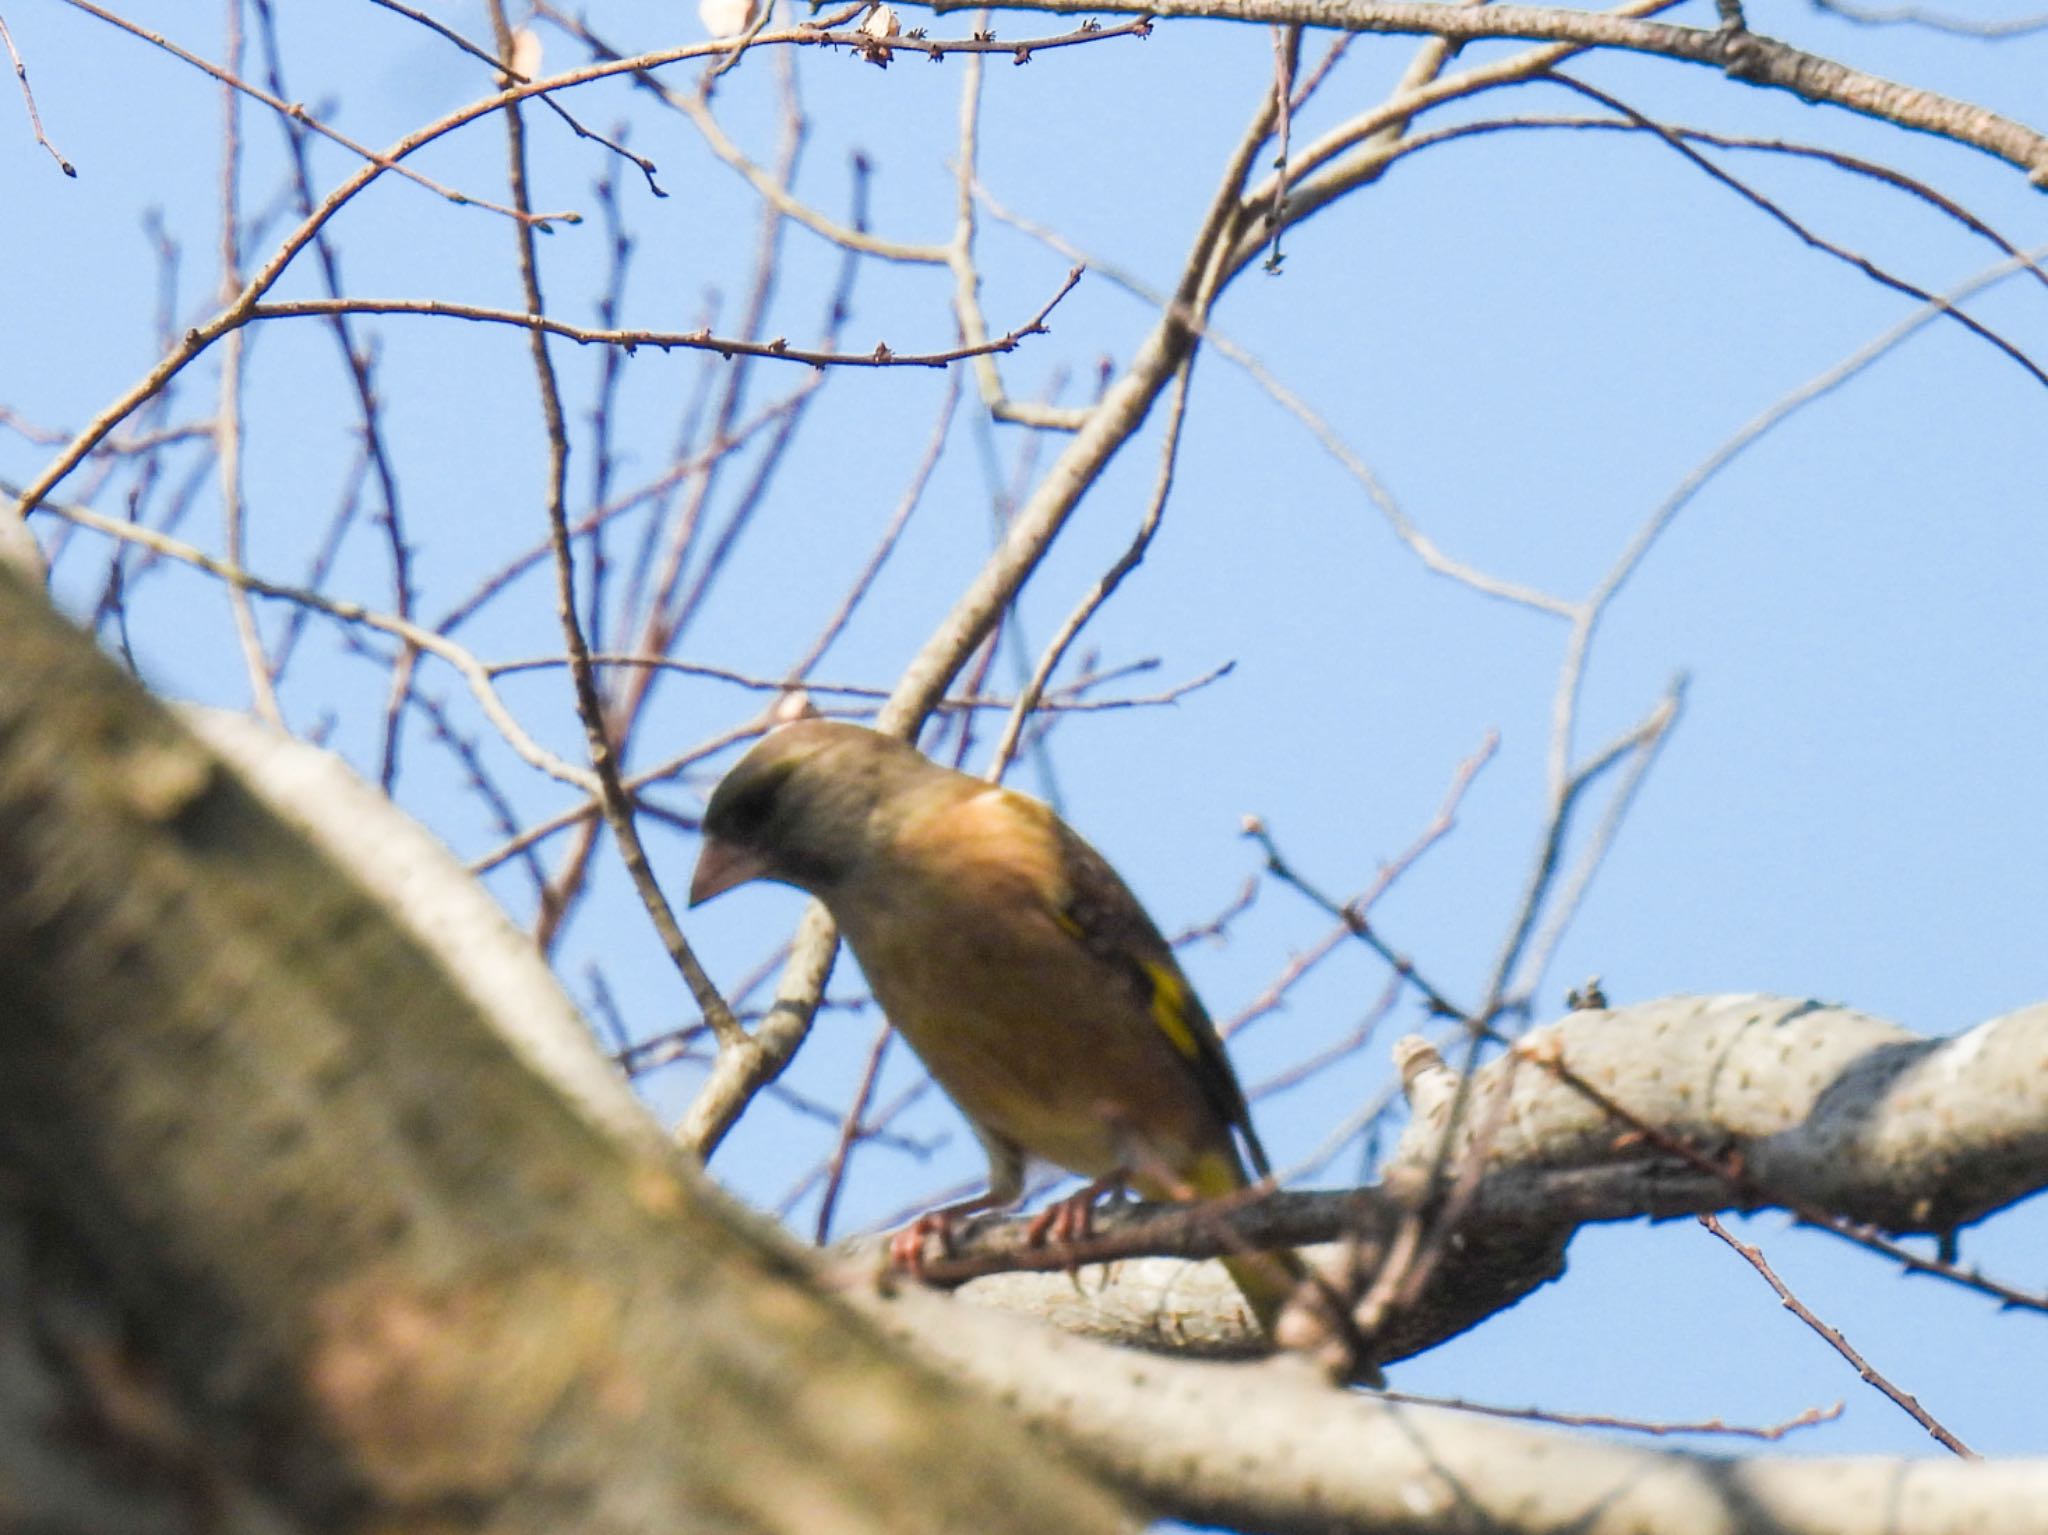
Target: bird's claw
x,y
906,1247
1068,1220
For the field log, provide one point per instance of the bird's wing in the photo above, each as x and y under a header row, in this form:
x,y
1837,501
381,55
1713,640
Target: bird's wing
x,y
1092,904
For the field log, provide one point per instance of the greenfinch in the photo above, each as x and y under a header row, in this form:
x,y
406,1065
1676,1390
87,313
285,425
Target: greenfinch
x,y
1012,959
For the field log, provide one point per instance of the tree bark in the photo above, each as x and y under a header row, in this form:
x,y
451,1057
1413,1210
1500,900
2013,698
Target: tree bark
x,y
1675,1107
290,1239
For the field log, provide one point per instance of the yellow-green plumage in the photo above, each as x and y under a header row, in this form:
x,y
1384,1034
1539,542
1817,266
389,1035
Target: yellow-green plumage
x,y
1012,959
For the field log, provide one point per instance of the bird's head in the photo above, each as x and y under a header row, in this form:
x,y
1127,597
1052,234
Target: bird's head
x,y
805,807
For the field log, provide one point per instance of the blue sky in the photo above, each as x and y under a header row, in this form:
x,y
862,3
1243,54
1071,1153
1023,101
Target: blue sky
x,y
1531,336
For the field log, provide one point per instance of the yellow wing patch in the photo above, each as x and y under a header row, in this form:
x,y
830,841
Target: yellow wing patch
x,y
1170,1007
1169,1003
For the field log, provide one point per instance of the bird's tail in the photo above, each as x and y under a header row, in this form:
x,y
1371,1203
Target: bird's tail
x,y
1266,1279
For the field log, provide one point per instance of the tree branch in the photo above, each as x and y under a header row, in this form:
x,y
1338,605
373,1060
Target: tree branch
x,y
290,1240
1271,1447
1685,1106
1748,56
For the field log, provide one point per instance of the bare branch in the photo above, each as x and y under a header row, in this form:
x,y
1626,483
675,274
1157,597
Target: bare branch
x,y
1747,56
777,350
1834,1339
28,100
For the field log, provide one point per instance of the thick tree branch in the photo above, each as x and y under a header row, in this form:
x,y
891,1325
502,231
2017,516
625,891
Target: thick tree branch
x,y
1271,1447
1809,1102
299,1244
290,1240
1686,1106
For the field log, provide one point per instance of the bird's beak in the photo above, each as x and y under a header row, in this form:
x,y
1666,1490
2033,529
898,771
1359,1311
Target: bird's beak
x,y
720,866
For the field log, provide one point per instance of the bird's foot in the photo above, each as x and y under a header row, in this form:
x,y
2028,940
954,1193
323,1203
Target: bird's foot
x,y
907,1247
1071,1219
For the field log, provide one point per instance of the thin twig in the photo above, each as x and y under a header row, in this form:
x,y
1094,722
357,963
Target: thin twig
x,y
28,99
298,113
1731,1170
377,457
471,670
1757,200
228,411
913,493
645,166
618,806
777,349
1834,1339
1763,61
1770,1432
1105,587
852,1129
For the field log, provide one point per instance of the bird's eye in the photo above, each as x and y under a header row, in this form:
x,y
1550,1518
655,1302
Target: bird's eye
x,y
750,810
751,806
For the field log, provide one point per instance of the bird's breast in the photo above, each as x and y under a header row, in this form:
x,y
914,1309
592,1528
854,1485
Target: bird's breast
x,y
1027,1030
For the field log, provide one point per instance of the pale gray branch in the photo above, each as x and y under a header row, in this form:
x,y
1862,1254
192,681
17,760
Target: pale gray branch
x,y
1272,1447
1704,1104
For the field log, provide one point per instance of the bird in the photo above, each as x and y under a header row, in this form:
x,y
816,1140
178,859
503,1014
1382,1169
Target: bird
x,y
1017,965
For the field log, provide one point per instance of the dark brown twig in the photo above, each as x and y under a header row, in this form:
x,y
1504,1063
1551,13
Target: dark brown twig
x,y
618,806
852,1128
1751,1194
1834,1339
776,350
1757,200
646,166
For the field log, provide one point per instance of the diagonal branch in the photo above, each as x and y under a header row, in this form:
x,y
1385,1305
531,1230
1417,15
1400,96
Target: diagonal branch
x,y
1747,56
